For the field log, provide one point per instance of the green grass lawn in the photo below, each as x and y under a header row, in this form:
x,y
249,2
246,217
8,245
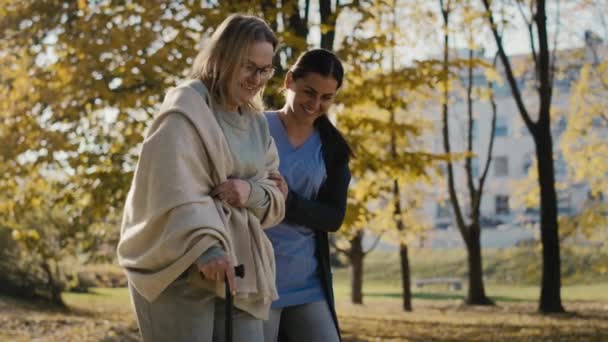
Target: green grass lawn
x,y
439,314
117,300
511,266
511,274
500,293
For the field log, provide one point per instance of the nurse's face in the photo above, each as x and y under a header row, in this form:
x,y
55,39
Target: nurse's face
x,y
310,96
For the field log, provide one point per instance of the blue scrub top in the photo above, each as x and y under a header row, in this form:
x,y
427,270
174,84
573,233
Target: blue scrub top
x,y
303,168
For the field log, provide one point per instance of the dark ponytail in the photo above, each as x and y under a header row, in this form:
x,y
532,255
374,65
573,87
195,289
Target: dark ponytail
x,y
326,64
333,140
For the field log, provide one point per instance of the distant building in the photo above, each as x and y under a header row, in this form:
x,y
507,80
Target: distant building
x,y
514,151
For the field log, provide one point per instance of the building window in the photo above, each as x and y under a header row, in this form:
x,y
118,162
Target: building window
x,y
474,130
501,166
502,127
561,168
598,121
526,164
559,126
443,210
502,205
475,166
564,204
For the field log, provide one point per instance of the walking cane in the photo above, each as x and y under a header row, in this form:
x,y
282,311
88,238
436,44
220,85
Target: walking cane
x,y
239,271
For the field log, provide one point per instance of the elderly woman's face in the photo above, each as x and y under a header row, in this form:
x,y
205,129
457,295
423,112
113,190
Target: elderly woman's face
x,y
254,72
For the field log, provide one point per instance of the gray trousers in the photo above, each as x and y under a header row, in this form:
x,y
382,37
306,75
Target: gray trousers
x,y
302,323
185,313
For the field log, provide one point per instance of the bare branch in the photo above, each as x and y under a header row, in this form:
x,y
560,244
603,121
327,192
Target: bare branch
x,y
509,71
523,14
391,94
445,11
554,52
468,159
374,245
529,27
545,89
529,24
134,87
486,168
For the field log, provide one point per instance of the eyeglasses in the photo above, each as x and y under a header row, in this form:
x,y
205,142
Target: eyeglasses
x,y
252,70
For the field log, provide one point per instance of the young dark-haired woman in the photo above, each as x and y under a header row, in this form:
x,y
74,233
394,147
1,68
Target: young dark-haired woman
x,y
314,175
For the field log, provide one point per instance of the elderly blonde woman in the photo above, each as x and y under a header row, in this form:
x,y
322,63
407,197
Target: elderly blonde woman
x,y
201,196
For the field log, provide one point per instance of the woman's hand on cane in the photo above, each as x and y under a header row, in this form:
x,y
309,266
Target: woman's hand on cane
x,y
217,269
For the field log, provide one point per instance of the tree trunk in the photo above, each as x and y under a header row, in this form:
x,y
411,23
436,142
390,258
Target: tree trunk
x,y
405,278
296,23
334,257
405,263
356,261
327,18
476,293
54,287
470,233
550,296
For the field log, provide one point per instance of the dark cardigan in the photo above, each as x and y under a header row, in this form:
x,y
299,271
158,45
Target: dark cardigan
x,y
323,214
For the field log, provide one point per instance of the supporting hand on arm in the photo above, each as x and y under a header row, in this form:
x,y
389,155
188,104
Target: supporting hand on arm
x,y
234,192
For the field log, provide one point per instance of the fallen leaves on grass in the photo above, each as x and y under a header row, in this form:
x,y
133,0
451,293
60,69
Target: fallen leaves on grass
x,y
35,321
451,321
107,317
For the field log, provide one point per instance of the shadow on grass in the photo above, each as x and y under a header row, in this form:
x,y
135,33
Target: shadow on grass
x,y
98,291
93,292
439,296
9,302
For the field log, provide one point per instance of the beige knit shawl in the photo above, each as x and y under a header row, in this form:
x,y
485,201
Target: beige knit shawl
x,y
169,218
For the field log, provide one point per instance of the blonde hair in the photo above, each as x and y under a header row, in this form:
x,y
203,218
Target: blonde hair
x,y
219,62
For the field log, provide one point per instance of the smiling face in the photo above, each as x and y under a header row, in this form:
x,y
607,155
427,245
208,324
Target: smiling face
x,y
253,73
310,96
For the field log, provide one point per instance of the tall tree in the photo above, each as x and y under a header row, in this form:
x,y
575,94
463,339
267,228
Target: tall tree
x,y
470,229
398,207
351,245
540,129
385,127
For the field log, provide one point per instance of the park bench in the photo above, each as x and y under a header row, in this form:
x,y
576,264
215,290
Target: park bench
x,y
453,283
